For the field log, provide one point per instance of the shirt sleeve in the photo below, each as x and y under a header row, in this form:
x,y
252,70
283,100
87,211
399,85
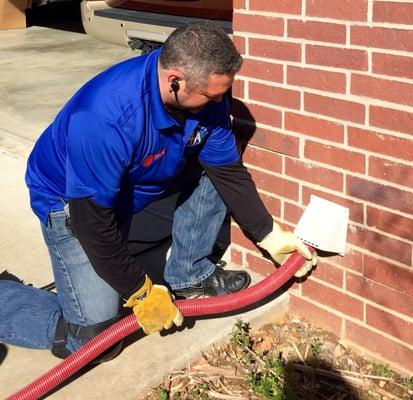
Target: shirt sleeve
x,y
97,156
238,191
98,232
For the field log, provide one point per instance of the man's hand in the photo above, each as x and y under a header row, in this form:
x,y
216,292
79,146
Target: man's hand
x,y
154,308
281,244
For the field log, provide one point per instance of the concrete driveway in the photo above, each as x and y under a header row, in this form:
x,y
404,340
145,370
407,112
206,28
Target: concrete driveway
x,y
40,69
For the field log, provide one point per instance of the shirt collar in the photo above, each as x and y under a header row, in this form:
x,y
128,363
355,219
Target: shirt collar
x,y
161,119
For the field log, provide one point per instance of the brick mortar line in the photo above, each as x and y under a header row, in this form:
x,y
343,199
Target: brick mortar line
x,y
360,274
280,198
366,251
393,1
337,21
303,53
365,300
243,249
349,270
400,135
275,196
333,168
362,100
303,9
374,355
369,101
340,170
397,314
370,63
365,214
326,142
382,208
367,115
338,194
382,333
354,320
323,43
348,35
356,174
344,268
348,82
324,67
301,148
345,138
370,4
382,233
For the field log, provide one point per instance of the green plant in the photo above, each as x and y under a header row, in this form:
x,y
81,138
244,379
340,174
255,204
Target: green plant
x,y
268,376
275,381
163,395
408,383
383,370
240,334
316,347
199,394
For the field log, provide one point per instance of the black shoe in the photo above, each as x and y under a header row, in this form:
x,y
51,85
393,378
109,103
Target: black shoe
x,y
7,276
221,264
219,283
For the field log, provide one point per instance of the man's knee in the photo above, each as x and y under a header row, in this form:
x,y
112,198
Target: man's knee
x,y
82,334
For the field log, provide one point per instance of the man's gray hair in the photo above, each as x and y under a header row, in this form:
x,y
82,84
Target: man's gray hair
x,y
198,50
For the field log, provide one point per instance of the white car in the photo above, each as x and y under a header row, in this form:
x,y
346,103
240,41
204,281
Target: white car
x,y
145,24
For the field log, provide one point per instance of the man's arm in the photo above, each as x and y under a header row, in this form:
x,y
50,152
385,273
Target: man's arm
x,y
234,184
98,232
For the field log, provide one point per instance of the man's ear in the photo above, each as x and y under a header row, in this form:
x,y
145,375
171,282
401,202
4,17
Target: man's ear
x,y
174,77
175,86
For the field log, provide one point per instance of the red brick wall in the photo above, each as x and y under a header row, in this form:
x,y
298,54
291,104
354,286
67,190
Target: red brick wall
x,y
330,86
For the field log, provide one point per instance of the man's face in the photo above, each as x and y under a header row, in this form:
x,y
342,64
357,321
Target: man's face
x,y
195,99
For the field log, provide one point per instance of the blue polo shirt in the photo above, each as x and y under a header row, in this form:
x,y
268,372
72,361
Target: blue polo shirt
x,y
114,142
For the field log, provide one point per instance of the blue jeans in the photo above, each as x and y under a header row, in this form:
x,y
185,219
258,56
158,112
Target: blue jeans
x,y
196,224
29,316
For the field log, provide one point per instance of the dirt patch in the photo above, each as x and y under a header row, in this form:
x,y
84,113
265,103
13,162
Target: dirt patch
x,y
290,360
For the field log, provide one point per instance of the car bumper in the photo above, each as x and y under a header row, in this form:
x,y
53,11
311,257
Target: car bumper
x,y
122,26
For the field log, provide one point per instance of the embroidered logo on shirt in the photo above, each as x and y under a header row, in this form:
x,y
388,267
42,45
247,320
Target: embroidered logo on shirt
x,y
197,136
152,157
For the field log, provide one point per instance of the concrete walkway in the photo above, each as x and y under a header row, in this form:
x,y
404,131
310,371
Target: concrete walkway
x,y
40,69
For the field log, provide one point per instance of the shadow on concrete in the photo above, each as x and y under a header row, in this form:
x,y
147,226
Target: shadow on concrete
x,y
61,15
72,378
3,352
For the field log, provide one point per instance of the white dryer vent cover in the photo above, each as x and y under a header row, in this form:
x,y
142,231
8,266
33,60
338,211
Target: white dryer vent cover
x,y
323,225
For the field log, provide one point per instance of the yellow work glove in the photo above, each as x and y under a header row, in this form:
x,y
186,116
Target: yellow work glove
x,y
280,245
154,308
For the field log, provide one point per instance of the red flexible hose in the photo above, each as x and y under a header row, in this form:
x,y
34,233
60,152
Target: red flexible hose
x,y
128,325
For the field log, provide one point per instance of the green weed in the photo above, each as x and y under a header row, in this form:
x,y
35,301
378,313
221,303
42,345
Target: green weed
x,y
163,395
268,376
408,383
316,347
383,370
240,334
